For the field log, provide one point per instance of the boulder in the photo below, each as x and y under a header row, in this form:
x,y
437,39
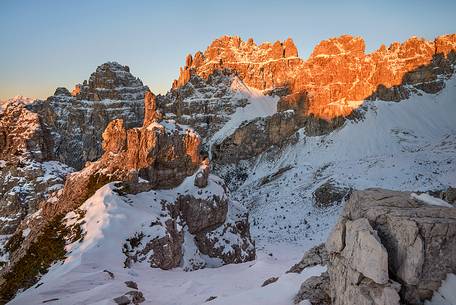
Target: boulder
x,y
202,175
329,193
270,281
449,195
315,289
200,214
315,256
389,248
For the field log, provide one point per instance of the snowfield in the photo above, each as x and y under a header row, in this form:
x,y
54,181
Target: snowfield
x,y
94,272
410,146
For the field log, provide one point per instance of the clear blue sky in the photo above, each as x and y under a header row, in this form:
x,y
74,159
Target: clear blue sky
x,y
45,44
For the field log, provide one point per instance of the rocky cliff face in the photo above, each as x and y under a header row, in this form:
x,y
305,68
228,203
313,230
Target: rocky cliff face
x,y
76,121
322,91
390,248
205,104
27,174
110,81
337,73
264,66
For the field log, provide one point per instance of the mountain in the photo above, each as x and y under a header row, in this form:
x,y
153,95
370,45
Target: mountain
x,y
233,174
16,99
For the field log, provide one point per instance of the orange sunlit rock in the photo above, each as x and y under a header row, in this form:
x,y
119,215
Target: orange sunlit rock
x,y
337,75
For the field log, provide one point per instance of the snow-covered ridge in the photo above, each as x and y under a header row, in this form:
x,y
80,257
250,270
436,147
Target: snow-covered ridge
x,y
109,219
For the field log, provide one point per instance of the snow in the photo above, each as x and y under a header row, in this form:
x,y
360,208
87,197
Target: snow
x,y
446,294
428,199
408,146
170,126
26,232
110,219
259,106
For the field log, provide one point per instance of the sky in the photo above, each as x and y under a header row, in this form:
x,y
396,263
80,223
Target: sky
x,y
46,44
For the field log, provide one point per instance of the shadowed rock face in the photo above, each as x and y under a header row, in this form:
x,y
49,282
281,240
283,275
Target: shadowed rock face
x,y
254,137
21,134
205,104
111,81
388,246
76,123
27,176
337,72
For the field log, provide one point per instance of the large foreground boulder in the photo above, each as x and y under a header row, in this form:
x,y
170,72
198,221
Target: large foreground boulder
x,y
390,248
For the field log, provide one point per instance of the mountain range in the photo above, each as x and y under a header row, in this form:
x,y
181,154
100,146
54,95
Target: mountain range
x,y
214,191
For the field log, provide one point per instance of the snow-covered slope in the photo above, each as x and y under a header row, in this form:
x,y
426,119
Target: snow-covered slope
x,y
409,145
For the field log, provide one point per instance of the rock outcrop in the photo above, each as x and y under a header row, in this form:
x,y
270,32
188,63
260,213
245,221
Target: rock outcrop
x,y
329,193
196,226
388,248
315,256
315,290
205,104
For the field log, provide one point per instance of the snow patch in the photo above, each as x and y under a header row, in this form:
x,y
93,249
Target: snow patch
x,y
428,199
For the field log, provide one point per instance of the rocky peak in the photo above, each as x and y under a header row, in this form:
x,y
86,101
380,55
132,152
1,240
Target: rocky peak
x,y
322,91
16,99
445,44
256,64
342,45
150,109
62,91
76,120
21,134
337,74
111,81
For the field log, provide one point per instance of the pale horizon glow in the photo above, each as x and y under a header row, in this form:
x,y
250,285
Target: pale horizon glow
x,y
48,44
